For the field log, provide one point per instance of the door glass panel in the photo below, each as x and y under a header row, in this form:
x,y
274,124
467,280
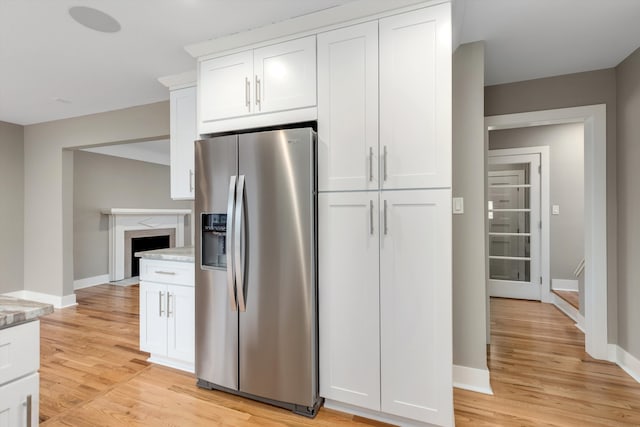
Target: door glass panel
x,y
509,222
509,246
510,269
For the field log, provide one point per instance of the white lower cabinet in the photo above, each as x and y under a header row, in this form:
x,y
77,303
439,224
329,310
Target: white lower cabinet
x,y
167,322
19,402
385,304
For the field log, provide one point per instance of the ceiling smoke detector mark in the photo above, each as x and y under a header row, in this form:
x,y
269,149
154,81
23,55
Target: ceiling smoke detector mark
x,y
94,19
61,100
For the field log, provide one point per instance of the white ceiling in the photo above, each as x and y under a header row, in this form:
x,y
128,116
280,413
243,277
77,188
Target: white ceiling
x,y
46,57
147,151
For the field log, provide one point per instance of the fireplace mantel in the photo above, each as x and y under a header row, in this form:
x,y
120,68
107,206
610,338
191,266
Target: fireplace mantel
x,y
127,219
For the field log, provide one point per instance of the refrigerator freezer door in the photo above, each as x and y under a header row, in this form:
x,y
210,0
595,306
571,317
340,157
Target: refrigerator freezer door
x,y
278,354
216,324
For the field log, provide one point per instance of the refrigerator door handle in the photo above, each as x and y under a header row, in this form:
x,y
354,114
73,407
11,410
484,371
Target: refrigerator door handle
x,y
229,243
237,231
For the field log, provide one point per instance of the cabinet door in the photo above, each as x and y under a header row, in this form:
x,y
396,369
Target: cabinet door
x,y
415,309
415,99
348,108
183,134
224,87
153,318
285,76
14,406
181,317
349,298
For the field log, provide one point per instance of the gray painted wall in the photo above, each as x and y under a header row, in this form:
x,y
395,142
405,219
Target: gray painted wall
x,y
628,75
566,152
11,207
572,90
48,245
101,181
469,264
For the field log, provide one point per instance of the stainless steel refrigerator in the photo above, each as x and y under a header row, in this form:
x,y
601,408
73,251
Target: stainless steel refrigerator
x,y
256,284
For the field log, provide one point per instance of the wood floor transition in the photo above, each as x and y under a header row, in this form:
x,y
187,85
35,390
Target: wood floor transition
x,y
92,374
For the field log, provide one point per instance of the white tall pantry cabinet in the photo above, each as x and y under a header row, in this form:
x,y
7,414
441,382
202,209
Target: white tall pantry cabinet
x,y
384,132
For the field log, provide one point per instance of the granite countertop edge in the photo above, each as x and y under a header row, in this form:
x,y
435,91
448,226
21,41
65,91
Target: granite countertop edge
x,y
14,311
181,254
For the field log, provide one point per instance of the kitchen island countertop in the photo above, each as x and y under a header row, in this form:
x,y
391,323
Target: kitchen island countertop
x,y
182,254
14,311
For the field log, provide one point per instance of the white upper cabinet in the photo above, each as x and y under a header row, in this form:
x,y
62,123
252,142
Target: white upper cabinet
x,y
349,302
285,75
415,99
415,305
348,108
265,86
183,134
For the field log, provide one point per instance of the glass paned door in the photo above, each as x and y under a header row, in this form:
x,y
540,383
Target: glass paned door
x,y
514,225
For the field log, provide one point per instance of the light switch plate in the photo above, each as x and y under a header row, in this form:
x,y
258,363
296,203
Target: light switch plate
x,y
458,205
555,210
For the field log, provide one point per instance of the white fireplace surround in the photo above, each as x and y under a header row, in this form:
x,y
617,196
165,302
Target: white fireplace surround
x,y
125,219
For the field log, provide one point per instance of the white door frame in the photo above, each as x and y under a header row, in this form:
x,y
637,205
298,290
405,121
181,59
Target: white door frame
x,y
595,208
545,239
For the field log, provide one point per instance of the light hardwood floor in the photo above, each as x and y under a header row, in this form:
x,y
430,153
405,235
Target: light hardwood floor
x,y
572,297
92,374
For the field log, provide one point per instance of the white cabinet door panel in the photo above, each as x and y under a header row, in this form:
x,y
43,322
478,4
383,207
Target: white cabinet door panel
x,y
415,99
14,410
153,320
415,296
181,318
183,134
285,76
348,108
349,298
224,87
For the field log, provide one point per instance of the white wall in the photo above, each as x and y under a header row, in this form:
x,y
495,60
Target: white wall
x,y
566,153
11,206
48,207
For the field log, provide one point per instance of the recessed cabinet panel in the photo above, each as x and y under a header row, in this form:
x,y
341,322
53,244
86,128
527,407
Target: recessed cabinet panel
x,y
183,134
285,75
348,298
348,108
14,409
153,324
224,87
415,99
180,314
415,296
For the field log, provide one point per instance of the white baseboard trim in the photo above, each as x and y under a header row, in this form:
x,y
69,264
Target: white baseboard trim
x,y
372,415
580,323
629,363
565,307
56,301
564,285
172,363
472,379
87,282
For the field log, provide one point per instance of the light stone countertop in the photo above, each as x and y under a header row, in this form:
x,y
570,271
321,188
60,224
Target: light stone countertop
x,y
14,311
182,254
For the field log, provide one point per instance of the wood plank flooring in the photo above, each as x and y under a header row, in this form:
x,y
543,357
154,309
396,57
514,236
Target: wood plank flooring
x,y
92,374
572,297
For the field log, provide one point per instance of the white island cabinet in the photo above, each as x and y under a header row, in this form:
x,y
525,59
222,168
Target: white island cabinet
x,y
167,320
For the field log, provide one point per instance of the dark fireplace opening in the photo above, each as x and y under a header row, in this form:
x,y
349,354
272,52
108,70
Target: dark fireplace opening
x,y
139,244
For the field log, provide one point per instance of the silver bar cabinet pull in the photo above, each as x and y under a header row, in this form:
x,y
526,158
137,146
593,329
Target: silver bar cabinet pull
x,y
247,93
166,273
191,181
385,163
169,313
386,229
160,310
229,244
258,100
371,217
29,405
237,231
370,164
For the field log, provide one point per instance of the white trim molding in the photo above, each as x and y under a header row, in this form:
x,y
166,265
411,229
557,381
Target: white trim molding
x,y
564,285
472,379
88,282
594,118
373,415
629,363
57,301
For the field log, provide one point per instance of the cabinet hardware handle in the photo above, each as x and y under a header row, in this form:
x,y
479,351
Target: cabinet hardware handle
x,y
258,100
191,181
169,313
160,310
371,217
167,273
385,163
247,92
386,229
370,164
29,405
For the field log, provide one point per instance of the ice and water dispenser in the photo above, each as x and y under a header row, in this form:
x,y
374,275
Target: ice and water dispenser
x,y
214,240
